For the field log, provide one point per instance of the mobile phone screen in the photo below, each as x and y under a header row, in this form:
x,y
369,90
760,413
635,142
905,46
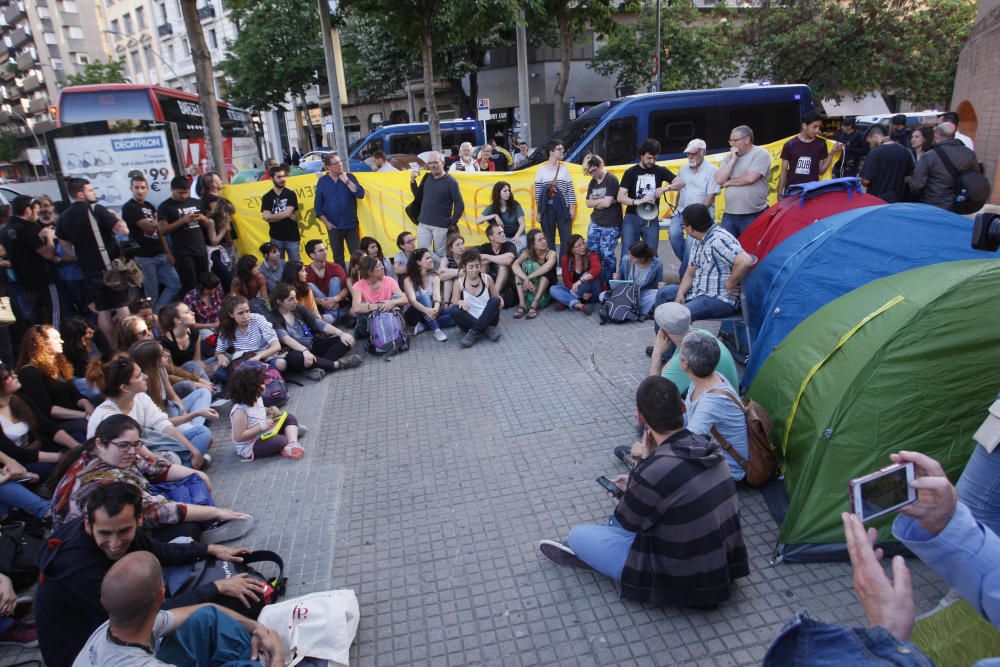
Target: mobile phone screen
x,y
610,487
884,492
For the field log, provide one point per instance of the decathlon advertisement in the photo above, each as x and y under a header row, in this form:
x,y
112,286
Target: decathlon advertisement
x,y
106,160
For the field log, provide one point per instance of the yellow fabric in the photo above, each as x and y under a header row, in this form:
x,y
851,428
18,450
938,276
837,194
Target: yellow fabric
x,y
381,213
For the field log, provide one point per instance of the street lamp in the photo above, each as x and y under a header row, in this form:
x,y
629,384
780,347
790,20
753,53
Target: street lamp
x,y
131,39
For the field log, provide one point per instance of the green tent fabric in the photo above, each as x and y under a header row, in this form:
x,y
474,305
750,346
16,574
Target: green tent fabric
x,y
956,636
909,361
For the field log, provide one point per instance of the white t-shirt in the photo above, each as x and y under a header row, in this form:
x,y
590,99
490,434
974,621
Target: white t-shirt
x,y
99,650
144,411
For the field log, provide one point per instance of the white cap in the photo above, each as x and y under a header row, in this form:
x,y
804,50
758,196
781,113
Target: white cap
x,y
695,145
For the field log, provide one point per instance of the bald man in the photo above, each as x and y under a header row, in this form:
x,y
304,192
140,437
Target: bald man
x,y
931,178
138,633
441,205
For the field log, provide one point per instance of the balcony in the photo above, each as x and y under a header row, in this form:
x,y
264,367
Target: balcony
x,y
207,12
8,72
165,29
43,126
32,83
14,12
20,36
38,105
26,60
5,117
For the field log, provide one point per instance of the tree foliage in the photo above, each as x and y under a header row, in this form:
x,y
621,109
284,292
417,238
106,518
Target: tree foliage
x,y
908,48
10,148
95,72
697,48
278,51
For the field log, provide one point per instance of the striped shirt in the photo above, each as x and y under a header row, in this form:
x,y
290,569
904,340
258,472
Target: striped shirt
x,y
564,183
713,257
258,336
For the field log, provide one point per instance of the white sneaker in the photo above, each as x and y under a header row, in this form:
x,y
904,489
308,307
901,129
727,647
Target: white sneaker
x,y
440,335
419,327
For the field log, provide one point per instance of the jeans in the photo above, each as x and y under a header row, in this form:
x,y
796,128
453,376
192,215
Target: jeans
x,y
330,315
466,321
89,392
634,227
604,241
338,237
565,228
979,487
563,295
195,430
291,248
208,638
426,235
13,495
680,244
605,548
158,273
37,304
736,223
701,307
412,316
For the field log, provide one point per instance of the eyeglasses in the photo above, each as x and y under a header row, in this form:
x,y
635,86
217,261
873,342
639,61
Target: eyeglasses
x,y
125,445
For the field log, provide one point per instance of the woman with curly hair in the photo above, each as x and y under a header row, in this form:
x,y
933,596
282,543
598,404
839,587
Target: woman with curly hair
x,y
251,420
47,381
244,335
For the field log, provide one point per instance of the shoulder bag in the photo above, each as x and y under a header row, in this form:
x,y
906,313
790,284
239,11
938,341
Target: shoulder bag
x,y
119,273
762,465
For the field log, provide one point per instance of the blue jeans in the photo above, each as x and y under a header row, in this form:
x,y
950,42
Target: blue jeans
x,y
605,548
680,244
157,272
634,227
736,223
89,392
563,295
330,315
291,248
208,638
14,495
195,430
701,307
412,316
979,487
604,241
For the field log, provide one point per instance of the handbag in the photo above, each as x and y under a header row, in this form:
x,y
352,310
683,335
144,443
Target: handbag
x,y
7,316
319,625
212,569
191,491
119,273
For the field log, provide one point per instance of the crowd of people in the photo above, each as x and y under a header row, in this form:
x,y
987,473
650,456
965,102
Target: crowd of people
x,y
133,333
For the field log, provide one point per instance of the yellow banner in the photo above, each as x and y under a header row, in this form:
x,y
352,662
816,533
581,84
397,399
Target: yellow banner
x,y
381,213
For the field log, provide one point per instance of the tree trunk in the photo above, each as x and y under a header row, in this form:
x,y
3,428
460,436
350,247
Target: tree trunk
x,y
566,50
427,54
205,77
308,122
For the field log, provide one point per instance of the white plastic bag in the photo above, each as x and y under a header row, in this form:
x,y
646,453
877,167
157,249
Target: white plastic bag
x,y
319,625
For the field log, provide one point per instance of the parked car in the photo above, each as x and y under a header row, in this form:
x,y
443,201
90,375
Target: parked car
x,y
312,161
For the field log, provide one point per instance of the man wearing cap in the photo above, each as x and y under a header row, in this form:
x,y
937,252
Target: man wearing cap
x,y
900,133
674,321
855,149
697,186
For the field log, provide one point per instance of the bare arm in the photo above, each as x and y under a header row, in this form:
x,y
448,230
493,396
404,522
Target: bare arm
x,y
783,176
722,175
741,266
686,281
623,197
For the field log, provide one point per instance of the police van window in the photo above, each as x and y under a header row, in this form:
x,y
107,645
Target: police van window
x,y
676,127
449,139
769,122
617,143
370,147
411,143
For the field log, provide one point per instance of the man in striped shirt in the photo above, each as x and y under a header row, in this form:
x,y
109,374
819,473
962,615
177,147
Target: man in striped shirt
x,y
710,287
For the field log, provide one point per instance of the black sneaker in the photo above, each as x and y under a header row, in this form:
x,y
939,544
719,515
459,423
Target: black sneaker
x,y
649,351
561,555
624,454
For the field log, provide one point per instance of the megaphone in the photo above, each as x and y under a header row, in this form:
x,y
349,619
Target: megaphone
x,y
648,210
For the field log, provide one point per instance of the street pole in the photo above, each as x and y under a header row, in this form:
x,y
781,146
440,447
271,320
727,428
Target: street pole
x,y
659,65
523,99
339,135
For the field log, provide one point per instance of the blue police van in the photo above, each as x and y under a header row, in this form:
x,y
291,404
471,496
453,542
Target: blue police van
x,y
415,138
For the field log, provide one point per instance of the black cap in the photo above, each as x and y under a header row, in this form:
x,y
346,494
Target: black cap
x,y
899,119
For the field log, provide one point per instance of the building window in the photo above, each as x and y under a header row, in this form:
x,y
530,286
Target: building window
x,y
50,38
116,28
69,6
213,40
148,52
140,18
187,47
57,63
44,13
127,19
163,12
82,59
136,65
74,32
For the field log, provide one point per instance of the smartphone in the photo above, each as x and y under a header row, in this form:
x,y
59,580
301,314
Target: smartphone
x,y
610,486
882,492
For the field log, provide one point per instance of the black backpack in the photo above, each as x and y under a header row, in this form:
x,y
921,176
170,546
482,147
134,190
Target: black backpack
x,y
972,190
21,543
622,304
212,569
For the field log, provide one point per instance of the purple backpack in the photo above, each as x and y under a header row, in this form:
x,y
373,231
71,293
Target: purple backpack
x,y
387,333
275,389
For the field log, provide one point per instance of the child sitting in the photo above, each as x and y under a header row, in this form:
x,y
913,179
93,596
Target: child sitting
x,y
250,419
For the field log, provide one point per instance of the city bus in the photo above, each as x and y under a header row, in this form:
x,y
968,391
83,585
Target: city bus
x,y
121,101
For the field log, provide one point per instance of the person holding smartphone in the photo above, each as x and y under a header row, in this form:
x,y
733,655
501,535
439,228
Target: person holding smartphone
x,y
655,520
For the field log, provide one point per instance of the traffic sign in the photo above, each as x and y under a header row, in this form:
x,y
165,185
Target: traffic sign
x,y
483,108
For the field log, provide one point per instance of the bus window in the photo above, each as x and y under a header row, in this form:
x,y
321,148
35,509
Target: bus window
x,y
769,124
86,107
675,128
411,143
369,148
617,141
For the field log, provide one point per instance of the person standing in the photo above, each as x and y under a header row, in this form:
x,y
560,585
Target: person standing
x,y
555,198
465,162
31,249
153,256
932,179
952,117
606,219
521,158
805,157
900,133
698,186
744,174
441,205
887,166
181,217
336,206
855,149
280,209
643,184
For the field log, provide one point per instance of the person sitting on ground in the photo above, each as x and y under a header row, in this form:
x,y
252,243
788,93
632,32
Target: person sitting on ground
x,y
675,536
15,630
273,266
506,212
142,307
710,287
133,593
477,305
177,322
314,346
248,281
27,436
327,282
76,558
712,405
448,265
642,267
47,381
81,343
352,268
132,330
674,321
206,303
295,274
498,255
244,335
534,271
407,243
370,246
581,274
250,420
422,287
374,292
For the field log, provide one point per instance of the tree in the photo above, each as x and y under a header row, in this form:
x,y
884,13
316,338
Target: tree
x,y
10,148
205,77
697,48
903,47
94,72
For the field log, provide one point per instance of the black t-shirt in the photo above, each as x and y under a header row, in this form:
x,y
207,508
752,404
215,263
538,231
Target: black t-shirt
x,y
640,182
287,229
150,244
207,202
887,167
21,240
188,240
74,226
611,216
487,249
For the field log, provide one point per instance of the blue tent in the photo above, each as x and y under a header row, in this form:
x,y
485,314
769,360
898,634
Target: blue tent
x,y
838,254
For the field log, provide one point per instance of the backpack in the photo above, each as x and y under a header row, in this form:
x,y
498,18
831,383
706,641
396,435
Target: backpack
x,y
275,388
21,544
972,188
387,333
621,304
211,569
762,466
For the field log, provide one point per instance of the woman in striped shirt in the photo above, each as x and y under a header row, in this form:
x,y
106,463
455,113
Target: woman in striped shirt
x,y
244,335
